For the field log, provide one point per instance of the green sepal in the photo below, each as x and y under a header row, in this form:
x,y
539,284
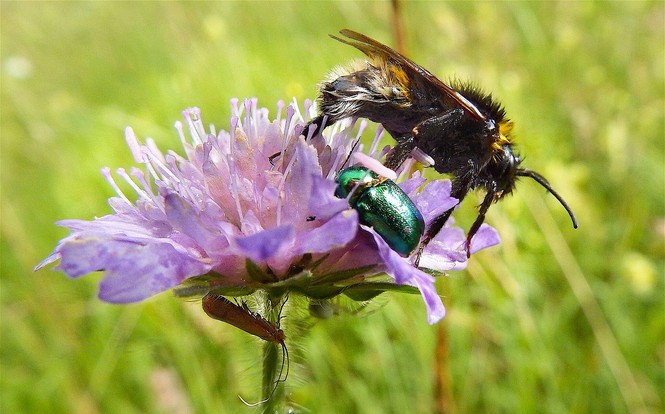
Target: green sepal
x,y
322,287
199,286
432,272
304,284
232,290
322,292
369,290
196,286
256,274
341,276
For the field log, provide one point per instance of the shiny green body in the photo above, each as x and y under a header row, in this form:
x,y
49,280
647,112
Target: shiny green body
x,y
382,205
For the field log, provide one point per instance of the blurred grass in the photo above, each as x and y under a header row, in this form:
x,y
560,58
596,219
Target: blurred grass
x,y
553,320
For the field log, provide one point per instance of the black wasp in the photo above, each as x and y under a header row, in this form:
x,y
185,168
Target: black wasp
x,y
462,129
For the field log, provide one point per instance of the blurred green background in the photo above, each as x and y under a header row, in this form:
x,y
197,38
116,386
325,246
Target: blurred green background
x,y
553,320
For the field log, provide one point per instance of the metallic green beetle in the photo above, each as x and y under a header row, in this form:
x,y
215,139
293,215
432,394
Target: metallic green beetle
x,y
382,205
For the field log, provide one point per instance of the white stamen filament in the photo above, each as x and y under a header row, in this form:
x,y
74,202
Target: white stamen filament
x,y
181,134
247,120
361,128
122,173
375,142
151,170
141,178
280,107
296,108
280,189
154,149
290,111
106,172
232,167
195,125
161,169
133,144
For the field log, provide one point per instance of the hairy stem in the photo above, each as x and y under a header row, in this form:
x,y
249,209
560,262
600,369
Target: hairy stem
x,y
273,364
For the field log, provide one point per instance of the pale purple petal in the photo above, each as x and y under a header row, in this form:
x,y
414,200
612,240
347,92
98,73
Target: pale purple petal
x,y
299,179
446,251
374,165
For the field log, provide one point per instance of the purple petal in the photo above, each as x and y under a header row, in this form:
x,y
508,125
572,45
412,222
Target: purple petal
x,y
405,273
435,199
299,179
485,237
134,270
435,309
146,270
118,225
411,185
185,218
323,204
47,261
333,234
266,244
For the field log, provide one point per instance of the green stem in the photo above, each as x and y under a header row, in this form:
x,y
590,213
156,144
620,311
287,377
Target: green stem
x,y
273,364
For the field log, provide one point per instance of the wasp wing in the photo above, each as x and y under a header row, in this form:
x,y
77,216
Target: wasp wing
x,y
410,76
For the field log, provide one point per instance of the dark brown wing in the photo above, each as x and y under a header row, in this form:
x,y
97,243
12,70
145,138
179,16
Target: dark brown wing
x,y
395,61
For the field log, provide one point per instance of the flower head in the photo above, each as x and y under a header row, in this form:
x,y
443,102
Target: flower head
x,y
251,208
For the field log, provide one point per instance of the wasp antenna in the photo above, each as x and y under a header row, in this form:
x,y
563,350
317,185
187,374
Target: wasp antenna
x,y
523,172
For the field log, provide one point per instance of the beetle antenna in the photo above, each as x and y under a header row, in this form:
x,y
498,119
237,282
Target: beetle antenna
x,y
285,361
523,172
353,149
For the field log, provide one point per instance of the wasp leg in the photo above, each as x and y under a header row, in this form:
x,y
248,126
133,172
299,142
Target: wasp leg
x,y
318,123
487,202
434,128
399,153
460,188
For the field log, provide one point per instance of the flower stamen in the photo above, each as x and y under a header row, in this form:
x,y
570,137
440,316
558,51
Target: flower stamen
x,y
122,173
106,172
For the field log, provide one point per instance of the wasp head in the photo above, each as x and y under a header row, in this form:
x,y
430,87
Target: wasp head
x,y
502,171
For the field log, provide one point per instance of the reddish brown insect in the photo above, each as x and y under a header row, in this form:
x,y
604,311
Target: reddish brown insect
x,y
240,316
222,309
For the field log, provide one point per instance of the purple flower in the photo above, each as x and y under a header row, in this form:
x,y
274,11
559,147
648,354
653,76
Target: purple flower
x,y
253,208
